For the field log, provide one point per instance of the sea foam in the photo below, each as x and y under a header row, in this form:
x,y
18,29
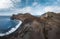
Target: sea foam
x,y
12,29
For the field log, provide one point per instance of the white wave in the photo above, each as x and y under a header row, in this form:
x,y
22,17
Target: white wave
x,y
12,30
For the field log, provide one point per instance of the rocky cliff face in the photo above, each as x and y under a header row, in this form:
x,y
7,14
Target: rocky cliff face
x,y
23,17
47,26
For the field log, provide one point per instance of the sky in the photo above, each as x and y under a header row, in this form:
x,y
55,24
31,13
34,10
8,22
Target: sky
x,y
34,7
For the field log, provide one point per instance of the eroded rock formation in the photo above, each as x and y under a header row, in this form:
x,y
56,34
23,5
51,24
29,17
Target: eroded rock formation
x,y
46,26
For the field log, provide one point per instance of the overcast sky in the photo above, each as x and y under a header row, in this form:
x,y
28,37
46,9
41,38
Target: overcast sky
x,y
35,7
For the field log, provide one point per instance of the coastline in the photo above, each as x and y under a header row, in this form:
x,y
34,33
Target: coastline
x,y
12,30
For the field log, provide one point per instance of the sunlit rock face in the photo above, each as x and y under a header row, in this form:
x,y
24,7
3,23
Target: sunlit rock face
x,y
47,26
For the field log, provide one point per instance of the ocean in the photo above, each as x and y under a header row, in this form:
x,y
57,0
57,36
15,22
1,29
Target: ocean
x,y
7,25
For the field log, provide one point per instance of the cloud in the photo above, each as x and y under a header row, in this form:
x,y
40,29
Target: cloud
x,y
34,4
26,9
15,1
48,8
4,4
8,4
23,10
52,9
35,9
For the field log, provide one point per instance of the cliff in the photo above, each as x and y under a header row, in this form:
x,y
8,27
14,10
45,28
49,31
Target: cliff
x,y
47,26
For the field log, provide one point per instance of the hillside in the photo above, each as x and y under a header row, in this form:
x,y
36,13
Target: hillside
x,y
47,26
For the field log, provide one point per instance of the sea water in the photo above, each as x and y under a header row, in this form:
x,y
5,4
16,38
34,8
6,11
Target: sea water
x,y
6,25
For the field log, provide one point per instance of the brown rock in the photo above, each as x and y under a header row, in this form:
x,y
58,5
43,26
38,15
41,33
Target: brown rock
x,y
31,27
23,17
52,25
46,26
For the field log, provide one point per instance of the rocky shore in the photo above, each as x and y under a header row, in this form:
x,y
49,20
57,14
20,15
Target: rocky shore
x,y
47,26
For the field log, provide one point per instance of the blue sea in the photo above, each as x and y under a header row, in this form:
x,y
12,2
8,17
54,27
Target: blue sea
x,y
6,23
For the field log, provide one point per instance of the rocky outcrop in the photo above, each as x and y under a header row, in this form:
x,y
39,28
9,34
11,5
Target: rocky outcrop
x,y
52,25
24,17
31,27
47,26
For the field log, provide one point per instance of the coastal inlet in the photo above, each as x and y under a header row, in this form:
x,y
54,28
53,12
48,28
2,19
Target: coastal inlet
x,y
8,26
